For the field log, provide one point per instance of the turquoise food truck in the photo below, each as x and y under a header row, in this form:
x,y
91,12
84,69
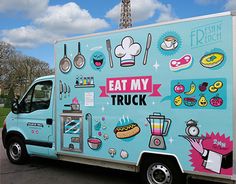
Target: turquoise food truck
x,y
158,99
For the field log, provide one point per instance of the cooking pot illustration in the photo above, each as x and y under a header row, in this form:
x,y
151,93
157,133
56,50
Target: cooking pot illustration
x,y
159,125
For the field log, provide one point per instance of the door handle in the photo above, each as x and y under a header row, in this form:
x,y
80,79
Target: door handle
x,y
49,121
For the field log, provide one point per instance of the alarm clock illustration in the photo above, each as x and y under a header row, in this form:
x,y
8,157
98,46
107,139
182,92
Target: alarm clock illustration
x,y
192,128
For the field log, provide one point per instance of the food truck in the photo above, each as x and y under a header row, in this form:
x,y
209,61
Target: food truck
x,y
157,99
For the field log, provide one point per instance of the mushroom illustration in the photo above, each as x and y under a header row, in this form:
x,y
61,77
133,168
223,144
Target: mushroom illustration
x,y
112,152
106,136
124,154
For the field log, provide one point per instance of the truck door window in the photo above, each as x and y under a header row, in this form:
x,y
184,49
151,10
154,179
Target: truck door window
x,y
37,98
25,104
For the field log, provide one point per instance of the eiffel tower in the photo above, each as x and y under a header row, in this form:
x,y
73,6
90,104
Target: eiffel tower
x,y
125,16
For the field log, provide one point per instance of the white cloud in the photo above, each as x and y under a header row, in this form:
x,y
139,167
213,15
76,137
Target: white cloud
x,y
143,10
30,8
114,13
230,5
166,13
54,23
69,19
28,36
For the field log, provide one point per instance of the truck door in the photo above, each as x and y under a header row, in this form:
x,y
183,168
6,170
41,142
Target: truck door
x,y
35,116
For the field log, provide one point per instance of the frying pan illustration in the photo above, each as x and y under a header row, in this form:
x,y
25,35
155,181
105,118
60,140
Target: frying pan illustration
x,y
65,63
79,59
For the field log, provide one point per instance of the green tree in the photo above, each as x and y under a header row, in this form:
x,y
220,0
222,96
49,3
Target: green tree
x,y
10,97
18,71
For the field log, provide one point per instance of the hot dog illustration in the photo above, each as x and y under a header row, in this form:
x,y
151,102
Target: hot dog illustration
x,y
127,131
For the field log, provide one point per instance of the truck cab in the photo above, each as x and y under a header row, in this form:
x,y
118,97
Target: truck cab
x,y
30,125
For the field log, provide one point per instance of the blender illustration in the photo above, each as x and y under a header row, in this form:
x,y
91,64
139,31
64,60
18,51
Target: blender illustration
x,y
159,125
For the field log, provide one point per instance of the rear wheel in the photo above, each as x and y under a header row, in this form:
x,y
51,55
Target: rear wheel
x,y
161,171
16,150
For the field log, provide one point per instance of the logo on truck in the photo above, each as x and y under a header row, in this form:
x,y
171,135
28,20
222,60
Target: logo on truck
x,y
130,90
206,34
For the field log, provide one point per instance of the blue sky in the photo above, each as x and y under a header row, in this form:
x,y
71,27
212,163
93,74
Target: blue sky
x,y
31,26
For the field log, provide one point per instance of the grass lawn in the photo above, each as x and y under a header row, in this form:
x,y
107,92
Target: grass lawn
x,y
3,113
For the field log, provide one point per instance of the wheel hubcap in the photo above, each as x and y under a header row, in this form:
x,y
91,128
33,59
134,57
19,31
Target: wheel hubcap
x,y
158,174
15,151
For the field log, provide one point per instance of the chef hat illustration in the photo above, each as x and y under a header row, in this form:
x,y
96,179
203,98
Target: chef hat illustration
x,y
127,51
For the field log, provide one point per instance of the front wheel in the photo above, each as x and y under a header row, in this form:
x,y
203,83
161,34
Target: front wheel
x,y
161,172
16,150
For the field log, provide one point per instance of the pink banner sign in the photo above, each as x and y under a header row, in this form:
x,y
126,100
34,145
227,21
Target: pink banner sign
x,y
140,84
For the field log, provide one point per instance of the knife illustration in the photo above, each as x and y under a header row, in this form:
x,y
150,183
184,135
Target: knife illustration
x,y
148,45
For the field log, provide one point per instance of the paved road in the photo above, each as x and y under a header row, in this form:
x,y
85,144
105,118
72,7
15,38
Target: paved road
x,y
45,171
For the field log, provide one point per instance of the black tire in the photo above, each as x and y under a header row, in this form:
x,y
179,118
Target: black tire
x,y
161,171
16,150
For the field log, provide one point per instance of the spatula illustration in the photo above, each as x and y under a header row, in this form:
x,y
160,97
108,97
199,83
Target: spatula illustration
x,y
108,43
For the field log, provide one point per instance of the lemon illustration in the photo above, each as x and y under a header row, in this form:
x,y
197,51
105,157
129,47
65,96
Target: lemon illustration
x,y
178,100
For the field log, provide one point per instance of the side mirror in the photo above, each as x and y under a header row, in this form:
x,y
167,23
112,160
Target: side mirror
x,y
15,106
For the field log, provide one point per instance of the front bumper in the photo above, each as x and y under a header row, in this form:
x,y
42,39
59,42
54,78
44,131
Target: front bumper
x,y
4,134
